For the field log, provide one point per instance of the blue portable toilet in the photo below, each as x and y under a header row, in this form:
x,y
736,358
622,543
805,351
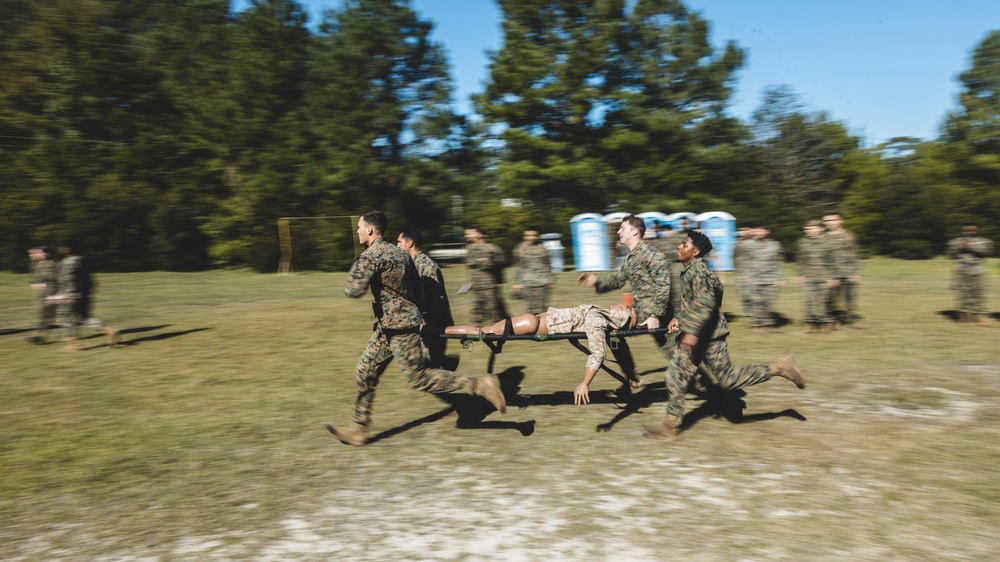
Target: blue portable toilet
x,y
590,242
653,219
720,227
676,220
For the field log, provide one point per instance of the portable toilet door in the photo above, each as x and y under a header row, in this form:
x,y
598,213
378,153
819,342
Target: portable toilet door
x,y
720,227
653,219
590,242
676,221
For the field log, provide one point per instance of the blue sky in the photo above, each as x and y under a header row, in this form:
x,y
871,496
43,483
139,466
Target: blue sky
x,y
885,68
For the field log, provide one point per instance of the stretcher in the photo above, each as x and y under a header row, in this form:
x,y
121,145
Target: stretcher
x,y
496,342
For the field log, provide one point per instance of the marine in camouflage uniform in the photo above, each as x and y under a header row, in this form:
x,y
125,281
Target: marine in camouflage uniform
x,y
73,300
45,283
396,291
485,261
845,260
436,308
741,260
534,272
646,270
762,274
814,271
968,252
703,331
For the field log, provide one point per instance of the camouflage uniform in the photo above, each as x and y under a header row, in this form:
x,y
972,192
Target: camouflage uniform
x,y
75,287
667,245
968,251
763,272
534,272
814,267
43,272
485,261
435,307
396,292
645,269
741,263
594,321
701,315
844,258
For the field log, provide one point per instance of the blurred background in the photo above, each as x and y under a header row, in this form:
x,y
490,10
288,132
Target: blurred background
x,y
174,135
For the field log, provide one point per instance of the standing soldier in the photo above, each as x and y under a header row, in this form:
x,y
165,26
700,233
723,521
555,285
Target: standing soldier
x,y
534,272
764,273
44,282
741,263
395,287
815,274
485,261
702,331
74,299
434,306
646,271
844,257
968,250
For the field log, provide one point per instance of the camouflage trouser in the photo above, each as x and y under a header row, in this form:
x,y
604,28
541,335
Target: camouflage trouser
x,y
685,363
487,307
760,299
76,313
969,289
814,297
846,292
536,299
46,314
412,360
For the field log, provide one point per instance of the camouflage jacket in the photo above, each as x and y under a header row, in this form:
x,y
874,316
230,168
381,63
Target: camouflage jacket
x,y
592,320
533,267
436,308
394,283
968,251
813,260
701,302
74,278
485,261
843,248
761,261
647,271
44,273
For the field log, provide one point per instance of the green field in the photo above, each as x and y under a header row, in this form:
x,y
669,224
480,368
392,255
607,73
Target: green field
x,y
202,437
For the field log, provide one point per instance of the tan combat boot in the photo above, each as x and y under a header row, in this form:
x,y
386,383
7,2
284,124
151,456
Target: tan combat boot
x,y
114,336
355,434
669,430
786,367
489,388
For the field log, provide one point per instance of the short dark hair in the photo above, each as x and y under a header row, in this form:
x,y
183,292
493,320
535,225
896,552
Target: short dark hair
x,y
533,229
376,220
413,235
700,242
636,223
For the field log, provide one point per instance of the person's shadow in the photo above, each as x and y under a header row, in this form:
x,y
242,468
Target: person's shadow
x,y
472,411
127,341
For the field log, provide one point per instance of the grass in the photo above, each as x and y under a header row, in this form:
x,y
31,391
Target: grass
x,y
202,437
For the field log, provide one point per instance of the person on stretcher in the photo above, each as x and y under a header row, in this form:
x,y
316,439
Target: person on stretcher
x,y
591,319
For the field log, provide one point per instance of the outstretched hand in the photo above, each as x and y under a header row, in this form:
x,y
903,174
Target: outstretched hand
x,y
581,395
587,279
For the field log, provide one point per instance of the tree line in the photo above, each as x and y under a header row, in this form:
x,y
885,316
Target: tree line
x,y
172,135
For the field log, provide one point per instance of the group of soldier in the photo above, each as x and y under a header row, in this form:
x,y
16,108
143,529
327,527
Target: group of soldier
x,y
65,291
827,257
407,288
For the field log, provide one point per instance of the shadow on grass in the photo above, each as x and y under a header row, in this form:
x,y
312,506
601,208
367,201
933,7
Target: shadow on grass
x,y
128,342
956,316
14,331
